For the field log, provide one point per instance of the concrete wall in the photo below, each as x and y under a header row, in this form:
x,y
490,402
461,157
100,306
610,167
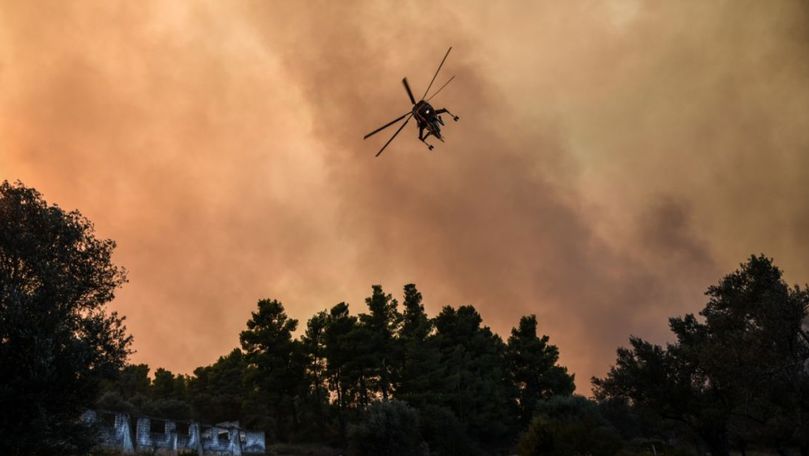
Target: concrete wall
x,y
115,430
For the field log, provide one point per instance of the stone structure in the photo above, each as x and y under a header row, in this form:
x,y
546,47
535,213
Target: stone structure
x,y
166,437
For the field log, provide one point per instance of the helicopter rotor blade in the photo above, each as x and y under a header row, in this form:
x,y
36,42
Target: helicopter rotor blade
x,y
442,88
436,72
386,125
409,92
394,135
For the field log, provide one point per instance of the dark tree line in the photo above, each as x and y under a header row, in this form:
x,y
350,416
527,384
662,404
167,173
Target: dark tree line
x,y
391,379
472,390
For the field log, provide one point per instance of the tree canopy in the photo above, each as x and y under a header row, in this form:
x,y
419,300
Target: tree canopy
x,y
57,341
470,387
736,377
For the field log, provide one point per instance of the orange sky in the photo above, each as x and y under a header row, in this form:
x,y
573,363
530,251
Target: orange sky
x,y
613,159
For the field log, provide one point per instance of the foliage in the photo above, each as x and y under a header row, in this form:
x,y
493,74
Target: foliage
x,y
569,426
444,434
57,342
275,367
532,362
378,343
469,386
476,384
390,428
739,376
421,369
217,392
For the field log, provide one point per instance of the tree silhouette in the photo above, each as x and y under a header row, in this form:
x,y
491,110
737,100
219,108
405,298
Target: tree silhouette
x,y
57,342
532,362
421,371
378,329
740,375
275,369
477,387
217,392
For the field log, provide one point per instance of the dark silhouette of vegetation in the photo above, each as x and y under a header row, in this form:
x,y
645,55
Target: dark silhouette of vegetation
x,y
534,369
737,377
467,389
389,427
392,380
569,426
56,340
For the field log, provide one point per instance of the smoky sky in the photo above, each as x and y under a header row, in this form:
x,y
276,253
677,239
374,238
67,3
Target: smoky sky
x,y
613,159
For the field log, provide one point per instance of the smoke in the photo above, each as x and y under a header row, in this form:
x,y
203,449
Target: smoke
x,y
612,159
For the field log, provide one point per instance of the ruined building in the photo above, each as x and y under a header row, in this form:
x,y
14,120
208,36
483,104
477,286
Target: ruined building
x,y
172,437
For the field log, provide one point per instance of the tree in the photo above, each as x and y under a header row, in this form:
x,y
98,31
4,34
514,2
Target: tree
x,y
476,385
163,385
444,433
168,396
133,379
534,370
57,341
420,371
275,371
314,346
663,384
389,428
377,342
217,392
569,426
739,376
757,351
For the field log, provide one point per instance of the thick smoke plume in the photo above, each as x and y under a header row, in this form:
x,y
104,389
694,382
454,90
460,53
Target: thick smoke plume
x,y
612,160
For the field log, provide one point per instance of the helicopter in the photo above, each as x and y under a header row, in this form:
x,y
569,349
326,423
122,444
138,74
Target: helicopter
x,y
428,118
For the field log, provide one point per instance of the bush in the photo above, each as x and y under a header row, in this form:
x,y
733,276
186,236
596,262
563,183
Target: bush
x,y
172,409
445,435
389,428
113,402
569,426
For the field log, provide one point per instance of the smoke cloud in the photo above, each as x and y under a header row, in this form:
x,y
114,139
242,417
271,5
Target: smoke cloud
x,y
612,160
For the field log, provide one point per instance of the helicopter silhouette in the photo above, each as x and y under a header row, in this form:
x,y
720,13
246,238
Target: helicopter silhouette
x,y
428,118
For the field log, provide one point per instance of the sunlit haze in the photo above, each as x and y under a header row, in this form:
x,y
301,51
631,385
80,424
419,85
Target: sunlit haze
x,y
613,158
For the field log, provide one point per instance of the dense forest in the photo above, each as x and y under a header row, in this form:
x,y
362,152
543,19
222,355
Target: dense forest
x,y
469,388
387,378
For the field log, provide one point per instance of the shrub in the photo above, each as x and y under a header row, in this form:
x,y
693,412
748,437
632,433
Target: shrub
x,y
445,435
389,428
569,426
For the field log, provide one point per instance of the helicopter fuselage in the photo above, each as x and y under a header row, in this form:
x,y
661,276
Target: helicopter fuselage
x,y
427,118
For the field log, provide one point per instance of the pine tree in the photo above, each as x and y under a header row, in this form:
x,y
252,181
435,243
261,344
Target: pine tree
x,y
274,368
477,387
534,370
420,364
378,346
